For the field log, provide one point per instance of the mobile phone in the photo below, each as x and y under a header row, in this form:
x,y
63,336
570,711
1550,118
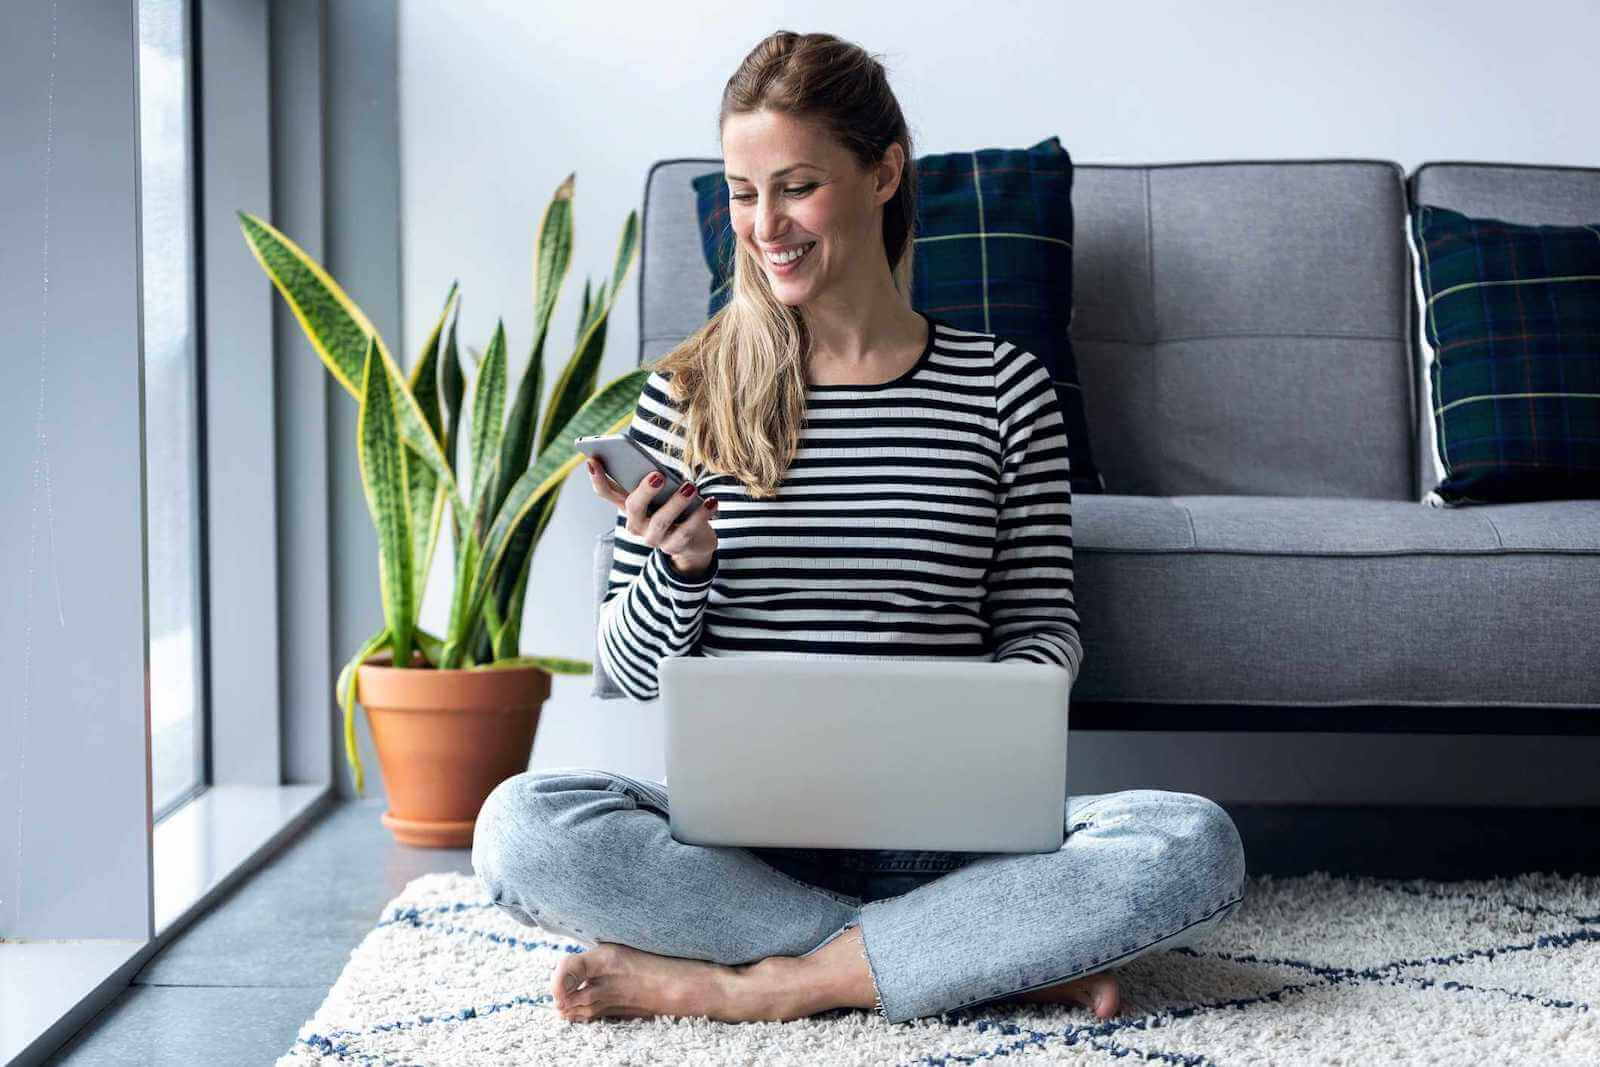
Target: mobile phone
x,y
626,461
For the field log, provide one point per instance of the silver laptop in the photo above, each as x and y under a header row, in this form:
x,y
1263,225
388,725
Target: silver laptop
x,y
789,752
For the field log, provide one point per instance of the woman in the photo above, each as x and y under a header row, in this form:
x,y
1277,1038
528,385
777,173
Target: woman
x,y
878,483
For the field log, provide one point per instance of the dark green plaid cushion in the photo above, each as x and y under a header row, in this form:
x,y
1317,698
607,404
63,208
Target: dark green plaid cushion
x,y
993,253
1511,330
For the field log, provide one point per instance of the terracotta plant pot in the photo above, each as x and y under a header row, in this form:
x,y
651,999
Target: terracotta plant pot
x,y
445,739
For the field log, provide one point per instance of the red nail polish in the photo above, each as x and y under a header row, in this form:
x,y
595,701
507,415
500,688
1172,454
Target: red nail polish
x,y
655,480
688,489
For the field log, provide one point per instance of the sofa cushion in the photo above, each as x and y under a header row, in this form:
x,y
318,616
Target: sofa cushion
x,y
992,253
1514,192
716,235
1510,337
1241,327
1316,601
1328,601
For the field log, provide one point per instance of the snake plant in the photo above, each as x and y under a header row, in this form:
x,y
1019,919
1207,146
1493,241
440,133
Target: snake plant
x,y
407,438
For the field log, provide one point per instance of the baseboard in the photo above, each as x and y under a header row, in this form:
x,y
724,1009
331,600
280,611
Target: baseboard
x,y
1578,721
1408,841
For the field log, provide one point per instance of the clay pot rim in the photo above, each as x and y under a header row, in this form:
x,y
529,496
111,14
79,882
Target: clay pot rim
x,y
384,662
428,690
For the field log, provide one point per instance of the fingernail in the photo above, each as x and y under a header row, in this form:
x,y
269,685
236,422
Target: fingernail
x,y
655,480
711,504
688,489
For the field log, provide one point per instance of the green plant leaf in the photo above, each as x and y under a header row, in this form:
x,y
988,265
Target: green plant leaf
x,y
432,646
427,499
577,383
339,332
383,480
481,647
579,375
609,411
452,385
583,314
552,253
553,664
345,692
599,303
508,641
488,411
552,261
516,447
462,625
524,544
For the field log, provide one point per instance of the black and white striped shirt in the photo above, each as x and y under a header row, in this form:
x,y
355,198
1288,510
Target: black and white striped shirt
x,y
925,518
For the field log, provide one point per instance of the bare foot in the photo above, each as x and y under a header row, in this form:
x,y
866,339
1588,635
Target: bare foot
x,y
1098,992
621,982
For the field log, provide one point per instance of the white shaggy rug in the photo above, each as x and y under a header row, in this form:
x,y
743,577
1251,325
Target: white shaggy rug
x,y
1310,970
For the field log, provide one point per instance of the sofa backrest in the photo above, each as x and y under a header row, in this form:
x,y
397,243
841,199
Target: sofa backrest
x,y
1239,327
1512,192
674,281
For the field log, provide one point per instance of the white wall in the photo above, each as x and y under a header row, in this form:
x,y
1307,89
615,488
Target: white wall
x,y
500,101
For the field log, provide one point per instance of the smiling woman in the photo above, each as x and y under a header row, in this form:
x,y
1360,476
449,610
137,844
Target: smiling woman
x,y
821,202
888,486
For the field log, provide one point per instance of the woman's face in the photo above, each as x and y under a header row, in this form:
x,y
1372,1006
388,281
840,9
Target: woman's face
x,y
790,186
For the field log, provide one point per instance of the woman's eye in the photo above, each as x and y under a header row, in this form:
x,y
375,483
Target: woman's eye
x,y
799,190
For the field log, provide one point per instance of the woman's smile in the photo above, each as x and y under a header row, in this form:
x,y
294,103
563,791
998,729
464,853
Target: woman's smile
x,y
788,262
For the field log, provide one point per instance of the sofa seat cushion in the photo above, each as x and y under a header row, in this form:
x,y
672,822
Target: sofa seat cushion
x,y
1310,601
1328,601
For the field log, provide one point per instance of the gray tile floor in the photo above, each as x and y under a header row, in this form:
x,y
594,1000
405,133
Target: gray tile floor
x,y
235,987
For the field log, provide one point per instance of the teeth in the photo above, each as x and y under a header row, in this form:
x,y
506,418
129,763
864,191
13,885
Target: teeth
x,y
791,256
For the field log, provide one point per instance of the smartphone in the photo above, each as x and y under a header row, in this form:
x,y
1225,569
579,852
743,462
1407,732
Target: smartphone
x,y
626,461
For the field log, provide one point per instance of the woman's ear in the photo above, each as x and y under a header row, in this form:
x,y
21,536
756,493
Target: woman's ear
x,y
889,172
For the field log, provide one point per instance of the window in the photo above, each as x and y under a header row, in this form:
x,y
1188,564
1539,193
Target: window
x,y
127,804
171,408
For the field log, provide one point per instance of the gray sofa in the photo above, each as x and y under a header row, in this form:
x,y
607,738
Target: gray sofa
x,y
1262,560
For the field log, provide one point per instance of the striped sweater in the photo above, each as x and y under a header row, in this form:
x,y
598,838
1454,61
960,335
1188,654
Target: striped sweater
x,y
924,518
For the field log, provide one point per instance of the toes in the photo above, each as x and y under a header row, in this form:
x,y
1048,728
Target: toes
x,y
1106,1002
586,998
569,974
579,1007
589,1011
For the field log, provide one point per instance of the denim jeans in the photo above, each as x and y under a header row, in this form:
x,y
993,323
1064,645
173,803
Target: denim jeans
x,y
588,855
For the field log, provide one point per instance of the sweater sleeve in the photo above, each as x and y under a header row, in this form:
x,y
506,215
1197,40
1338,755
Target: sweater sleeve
x,y
1028,598
651,611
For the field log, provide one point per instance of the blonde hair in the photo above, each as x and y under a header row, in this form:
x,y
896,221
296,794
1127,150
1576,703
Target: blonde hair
x,y
739,381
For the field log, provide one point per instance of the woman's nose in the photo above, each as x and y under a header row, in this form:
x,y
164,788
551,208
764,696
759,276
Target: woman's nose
x,y
769,222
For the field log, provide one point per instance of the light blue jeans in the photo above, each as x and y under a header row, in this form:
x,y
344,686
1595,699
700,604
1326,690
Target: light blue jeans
x,y
589,855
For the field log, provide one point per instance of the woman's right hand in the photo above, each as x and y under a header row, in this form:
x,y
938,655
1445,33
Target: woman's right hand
x,y
691,543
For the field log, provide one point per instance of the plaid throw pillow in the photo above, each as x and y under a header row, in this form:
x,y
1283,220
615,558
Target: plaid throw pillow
x,y
993,253
1511,337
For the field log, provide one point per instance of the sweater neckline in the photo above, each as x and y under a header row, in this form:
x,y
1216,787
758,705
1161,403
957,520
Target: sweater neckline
x,y
911,372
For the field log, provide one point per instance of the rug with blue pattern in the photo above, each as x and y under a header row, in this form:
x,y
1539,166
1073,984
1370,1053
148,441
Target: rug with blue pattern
x,y
1316,969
